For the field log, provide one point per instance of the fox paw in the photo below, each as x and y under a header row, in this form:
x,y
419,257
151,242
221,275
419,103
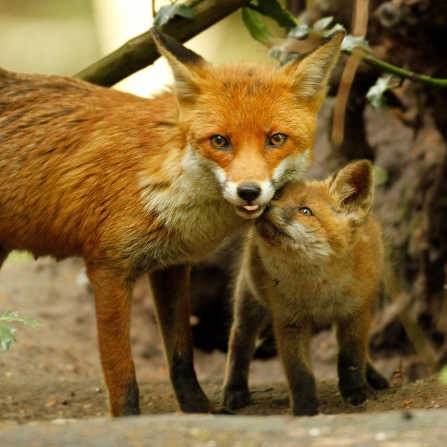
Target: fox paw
x,y
357,396
236,398
375,379
223,410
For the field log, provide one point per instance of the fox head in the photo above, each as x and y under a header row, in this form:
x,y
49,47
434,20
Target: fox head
x,y
251,125
319,218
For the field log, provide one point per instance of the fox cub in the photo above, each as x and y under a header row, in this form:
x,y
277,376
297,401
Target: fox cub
x,y
136,185
314,257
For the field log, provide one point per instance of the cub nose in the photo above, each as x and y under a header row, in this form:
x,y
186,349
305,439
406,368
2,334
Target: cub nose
x,y
248,191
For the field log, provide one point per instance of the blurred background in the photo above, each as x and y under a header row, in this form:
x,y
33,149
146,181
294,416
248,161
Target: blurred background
x,y
65,36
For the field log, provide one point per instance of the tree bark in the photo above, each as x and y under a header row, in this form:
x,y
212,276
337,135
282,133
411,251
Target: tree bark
x,y
141,51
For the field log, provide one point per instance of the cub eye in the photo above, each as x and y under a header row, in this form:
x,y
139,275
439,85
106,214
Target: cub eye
x,y
278,139
306,211
219,142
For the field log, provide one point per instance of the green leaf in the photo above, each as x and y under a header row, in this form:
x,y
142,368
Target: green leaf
x,y
276,52
322,24
329,31
381,175
350,42
375,94
443,375
276,11
10,316
6,338
256,26
300,32
166,13
7,314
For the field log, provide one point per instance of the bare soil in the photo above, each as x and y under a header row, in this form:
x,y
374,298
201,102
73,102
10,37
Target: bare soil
x,y
53,372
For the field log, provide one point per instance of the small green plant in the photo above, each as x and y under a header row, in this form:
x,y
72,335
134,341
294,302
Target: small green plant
x,y
443,375
284,50
166,13
7,333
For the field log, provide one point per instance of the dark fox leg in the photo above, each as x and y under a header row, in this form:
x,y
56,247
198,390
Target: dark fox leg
x,y
353,338
374,378
170,288
293,341
248,317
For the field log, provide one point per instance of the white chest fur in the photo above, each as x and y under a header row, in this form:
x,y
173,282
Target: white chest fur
x,y
193,212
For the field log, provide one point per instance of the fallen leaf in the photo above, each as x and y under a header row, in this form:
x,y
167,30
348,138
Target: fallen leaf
x,y
51,401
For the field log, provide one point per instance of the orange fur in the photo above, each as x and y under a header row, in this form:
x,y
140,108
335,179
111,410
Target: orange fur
x,y
134,185
314,258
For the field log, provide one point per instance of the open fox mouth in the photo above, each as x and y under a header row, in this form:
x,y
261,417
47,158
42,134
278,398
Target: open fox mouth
x,y
250,211
250,207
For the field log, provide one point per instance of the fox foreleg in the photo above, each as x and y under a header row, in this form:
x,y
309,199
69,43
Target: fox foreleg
x,y
353,339
249,316
293,339
170,288
113,297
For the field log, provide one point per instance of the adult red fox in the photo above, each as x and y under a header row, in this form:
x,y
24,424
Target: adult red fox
x,y
315,257
137,185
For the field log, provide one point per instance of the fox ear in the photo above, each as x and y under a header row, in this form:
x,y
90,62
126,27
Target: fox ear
x,y
184,63
310,72
353,188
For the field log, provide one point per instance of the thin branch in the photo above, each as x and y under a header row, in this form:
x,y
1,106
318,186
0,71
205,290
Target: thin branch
x,y
400,72
141,51
153,9
360,21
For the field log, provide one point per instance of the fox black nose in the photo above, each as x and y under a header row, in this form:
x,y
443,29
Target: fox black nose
x,y
248,191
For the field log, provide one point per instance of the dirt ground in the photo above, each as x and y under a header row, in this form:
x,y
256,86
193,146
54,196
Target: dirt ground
x,y
53,372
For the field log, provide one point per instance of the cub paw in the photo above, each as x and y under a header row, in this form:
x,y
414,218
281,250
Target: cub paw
x,y
375,379
305,407
378,382
222,410
307,410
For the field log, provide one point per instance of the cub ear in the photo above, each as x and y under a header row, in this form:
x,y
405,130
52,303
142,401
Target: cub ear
x,y
353,188
185,64
310,72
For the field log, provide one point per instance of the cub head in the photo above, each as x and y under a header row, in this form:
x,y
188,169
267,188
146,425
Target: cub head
x,y
319,218
252,126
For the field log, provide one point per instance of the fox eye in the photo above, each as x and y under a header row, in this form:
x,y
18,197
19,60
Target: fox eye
x,y
306,211
277,140
219,142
